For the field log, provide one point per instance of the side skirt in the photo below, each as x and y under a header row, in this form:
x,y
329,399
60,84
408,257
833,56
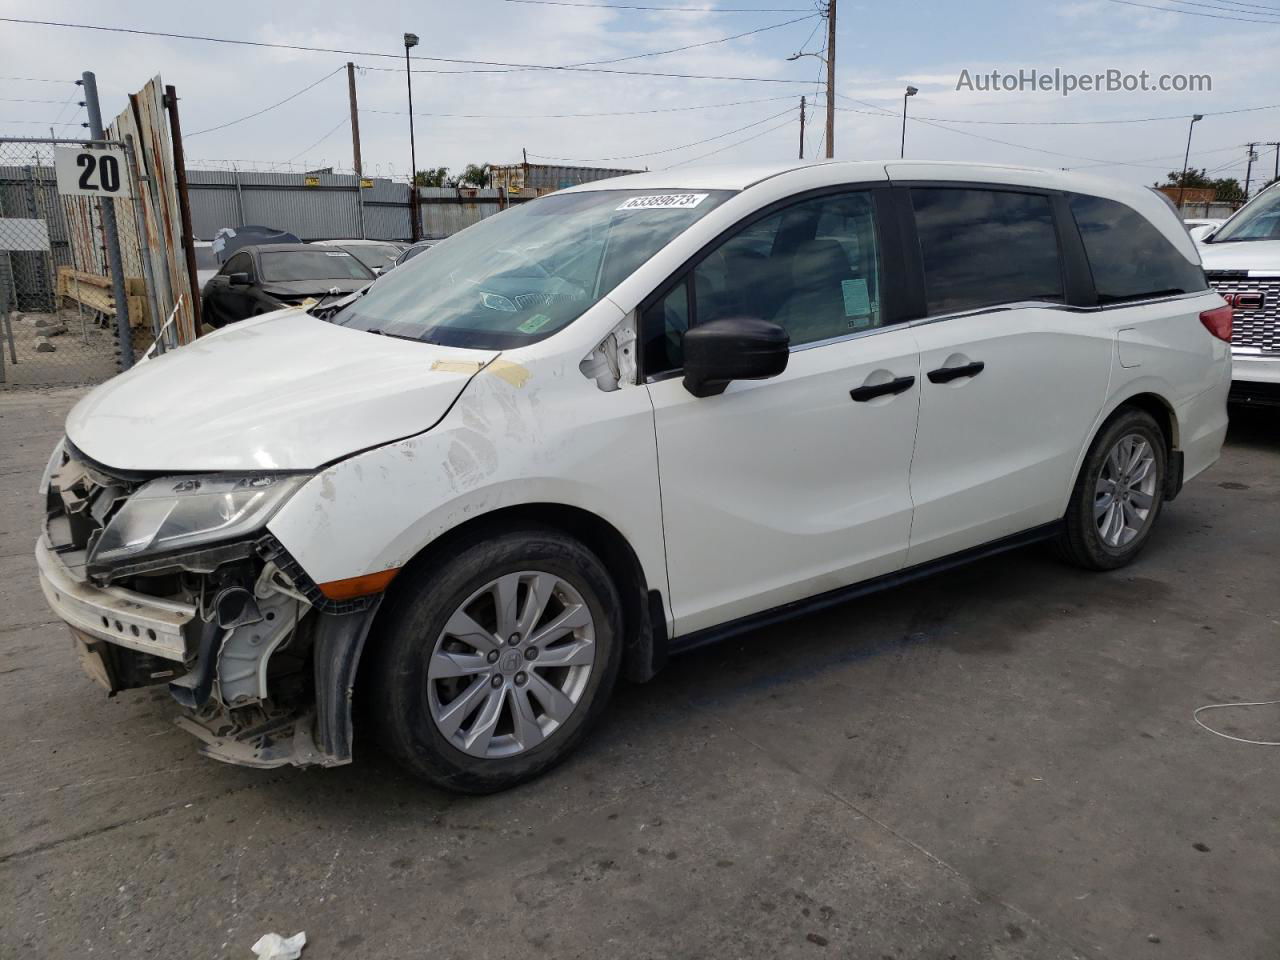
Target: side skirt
x,y
831,598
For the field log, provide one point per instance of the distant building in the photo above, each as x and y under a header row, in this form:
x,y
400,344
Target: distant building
x,y
540,178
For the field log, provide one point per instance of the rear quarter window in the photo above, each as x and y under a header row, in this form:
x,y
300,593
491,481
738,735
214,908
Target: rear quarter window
x,y
1129,257
981,247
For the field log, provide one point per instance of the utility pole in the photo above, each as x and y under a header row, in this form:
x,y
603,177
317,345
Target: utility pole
x,y
355,118
802,128
831,79
1248,170
124,333
1275,175
411,40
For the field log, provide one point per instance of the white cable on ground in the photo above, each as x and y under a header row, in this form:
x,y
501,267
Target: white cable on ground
x,y
1195,715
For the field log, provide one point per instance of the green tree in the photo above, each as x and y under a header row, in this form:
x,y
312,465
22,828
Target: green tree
x,y
435,177
1226,189
476,174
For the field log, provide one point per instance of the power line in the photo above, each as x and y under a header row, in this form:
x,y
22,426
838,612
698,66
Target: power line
x,y
1241,3
1067,123
692,46
567,116
730,146
394,56
43,123
37,79
568,69
1191,13
654,153
334,130
1007,143
1219,6
26,100
628,6
258,113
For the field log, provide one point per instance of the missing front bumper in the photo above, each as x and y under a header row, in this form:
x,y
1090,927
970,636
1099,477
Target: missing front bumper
x,y
150,625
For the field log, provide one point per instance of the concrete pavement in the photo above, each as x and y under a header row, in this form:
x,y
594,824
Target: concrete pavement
x,y
998,762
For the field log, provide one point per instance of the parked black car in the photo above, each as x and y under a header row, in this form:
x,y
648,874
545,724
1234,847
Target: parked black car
x,y
259,279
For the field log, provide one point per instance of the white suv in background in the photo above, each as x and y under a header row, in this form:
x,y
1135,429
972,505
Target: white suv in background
x,y
1242,260
616,423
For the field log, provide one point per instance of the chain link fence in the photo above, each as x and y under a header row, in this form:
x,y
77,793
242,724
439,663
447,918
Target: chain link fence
x,y
57,306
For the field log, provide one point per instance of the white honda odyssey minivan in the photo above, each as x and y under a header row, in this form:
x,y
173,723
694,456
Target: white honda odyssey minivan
x,y
617,423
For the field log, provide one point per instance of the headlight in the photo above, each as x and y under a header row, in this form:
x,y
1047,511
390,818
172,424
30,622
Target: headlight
x,y
55,461
181,512
496,301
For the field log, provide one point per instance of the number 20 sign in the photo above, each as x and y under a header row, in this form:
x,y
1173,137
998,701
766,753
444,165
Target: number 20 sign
x,y
91,172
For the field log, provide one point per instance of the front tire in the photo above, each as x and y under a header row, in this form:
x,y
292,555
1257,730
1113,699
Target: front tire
x,y
495,664
1118,495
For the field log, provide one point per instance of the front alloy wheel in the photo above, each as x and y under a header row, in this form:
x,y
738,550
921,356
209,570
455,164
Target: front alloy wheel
x,y
511,664
494,656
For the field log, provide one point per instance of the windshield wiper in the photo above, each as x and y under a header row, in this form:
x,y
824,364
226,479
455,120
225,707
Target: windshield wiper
x,y
1243,239
397,336
324,311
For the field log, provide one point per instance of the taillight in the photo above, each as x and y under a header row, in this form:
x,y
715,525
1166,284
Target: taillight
x,y
1218,322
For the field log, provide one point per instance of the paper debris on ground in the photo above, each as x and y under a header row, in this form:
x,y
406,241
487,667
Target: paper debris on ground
x,y
272,946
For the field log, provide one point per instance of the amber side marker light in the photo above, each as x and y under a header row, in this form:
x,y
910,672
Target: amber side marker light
x,y
354,587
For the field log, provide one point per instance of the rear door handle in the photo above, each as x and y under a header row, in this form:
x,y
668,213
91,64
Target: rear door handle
x,y
865,393
947,374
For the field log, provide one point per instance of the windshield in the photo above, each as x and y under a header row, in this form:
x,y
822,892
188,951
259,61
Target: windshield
x,y
373,254
285,266
206,259
1260,220
523,274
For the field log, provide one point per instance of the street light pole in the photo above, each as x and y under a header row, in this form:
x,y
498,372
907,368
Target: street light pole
x,y
410,41
1182,183
910,92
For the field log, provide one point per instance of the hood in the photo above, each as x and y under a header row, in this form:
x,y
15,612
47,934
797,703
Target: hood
x,y
284,391
297,289
1260,255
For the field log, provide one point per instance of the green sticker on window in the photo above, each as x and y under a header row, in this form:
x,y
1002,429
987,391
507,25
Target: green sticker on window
x,y
534,323
857,304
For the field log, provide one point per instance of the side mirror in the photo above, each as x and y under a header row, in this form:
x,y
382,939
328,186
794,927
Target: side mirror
x,y
733,348
238,279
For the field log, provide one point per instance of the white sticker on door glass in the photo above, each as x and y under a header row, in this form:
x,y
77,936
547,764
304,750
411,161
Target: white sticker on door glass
x,y
664,201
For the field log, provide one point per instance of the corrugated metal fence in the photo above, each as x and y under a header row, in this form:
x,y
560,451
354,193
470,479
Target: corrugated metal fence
x,y
325,206
332,206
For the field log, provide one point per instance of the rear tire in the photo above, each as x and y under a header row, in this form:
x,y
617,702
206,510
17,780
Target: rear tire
x,y
477,700
1118,495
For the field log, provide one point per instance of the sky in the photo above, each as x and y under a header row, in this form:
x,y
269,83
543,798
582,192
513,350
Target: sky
x,y
657,122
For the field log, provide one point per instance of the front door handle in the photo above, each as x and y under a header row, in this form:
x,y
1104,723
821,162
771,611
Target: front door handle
x,y
947,374
865,393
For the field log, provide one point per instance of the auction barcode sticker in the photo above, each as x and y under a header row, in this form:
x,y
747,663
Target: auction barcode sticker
x,y
664,201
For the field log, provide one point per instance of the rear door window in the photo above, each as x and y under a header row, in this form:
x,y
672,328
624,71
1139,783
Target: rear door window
x,y
1129,257
982,247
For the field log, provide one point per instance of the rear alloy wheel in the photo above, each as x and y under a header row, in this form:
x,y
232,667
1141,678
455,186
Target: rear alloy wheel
x,y
491,666
1125,493
1118,495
